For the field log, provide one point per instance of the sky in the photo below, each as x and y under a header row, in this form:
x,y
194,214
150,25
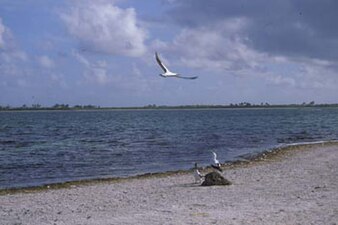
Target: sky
x,y
101,52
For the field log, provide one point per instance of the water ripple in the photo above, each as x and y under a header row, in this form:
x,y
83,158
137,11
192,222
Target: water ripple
x,y
45,147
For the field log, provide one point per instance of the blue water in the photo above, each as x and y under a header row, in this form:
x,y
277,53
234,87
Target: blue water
x,y
39,148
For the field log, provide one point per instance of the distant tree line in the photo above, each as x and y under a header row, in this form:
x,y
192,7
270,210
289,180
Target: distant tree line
x,y
243,105
54,107
154,106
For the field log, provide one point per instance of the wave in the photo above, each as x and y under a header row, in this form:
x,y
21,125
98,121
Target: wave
x,y
311,143
280,147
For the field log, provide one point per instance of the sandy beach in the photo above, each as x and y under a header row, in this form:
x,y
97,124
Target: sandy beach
x,y
298,185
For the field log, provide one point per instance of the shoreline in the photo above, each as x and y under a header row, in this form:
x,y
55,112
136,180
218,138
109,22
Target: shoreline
x,y
295,185
249,160
173,108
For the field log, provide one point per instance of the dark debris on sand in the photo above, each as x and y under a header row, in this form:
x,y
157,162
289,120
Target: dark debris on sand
x,y
215,178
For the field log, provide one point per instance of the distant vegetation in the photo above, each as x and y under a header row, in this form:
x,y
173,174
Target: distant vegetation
x,y
153,106
54,107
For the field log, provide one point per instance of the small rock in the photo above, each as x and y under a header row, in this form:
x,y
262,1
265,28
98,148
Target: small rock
x,y
215,178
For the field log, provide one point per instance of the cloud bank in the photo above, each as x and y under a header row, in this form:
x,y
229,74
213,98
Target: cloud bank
x,y
105,28
301,28
277,51
286,43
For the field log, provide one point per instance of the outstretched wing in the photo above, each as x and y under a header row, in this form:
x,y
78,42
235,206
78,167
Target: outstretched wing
x,y
191,78
164,68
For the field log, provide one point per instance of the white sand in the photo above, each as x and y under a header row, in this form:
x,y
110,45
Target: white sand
x,y
300,187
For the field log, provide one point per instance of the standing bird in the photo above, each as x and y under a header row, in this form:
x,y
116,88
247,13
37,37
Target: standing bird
x,y
216,164
197,175
167,72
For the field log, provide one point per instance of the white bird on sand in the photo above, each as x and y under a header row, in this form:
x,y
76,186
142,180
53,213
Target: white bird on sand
x,y
216,164
167,72
197,175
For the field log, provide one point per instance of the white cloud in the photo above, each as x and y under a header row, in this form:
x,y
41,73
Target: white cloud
x,y
12,60
220,47
100,74
2,32
9,51
106,28
288,28
301,74
19,71
46,62
81,58
280,80
93,72
317,75
13,56
224,49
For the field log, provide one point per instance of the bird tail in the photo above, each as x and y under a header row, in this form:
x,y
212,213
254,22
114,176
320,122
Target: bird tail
x,y
217,168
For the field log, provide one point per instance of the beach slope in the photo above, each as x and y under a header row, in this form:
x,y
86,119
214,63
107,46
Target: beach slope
x,y
295,186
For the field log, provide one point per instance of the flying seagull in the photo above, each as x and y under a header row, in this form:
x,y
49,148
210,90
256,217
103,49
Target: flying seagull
x,y
167,72
197,175
216,164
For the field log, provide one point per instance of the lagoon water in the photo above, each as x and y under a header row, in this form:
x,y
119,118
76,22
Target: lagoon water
x,y
46,147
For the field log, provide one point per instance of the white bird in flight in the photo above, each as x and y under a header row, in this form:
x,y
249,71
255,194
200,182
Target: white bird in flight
x,y
167,72
216,164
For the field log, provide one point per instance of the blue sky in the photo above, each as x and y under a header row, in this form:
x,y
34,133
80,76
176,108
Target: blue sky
x,y
102,52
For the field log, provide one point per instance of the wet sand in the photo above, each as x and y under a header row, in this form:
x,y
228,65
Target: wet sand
x,y
298,185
